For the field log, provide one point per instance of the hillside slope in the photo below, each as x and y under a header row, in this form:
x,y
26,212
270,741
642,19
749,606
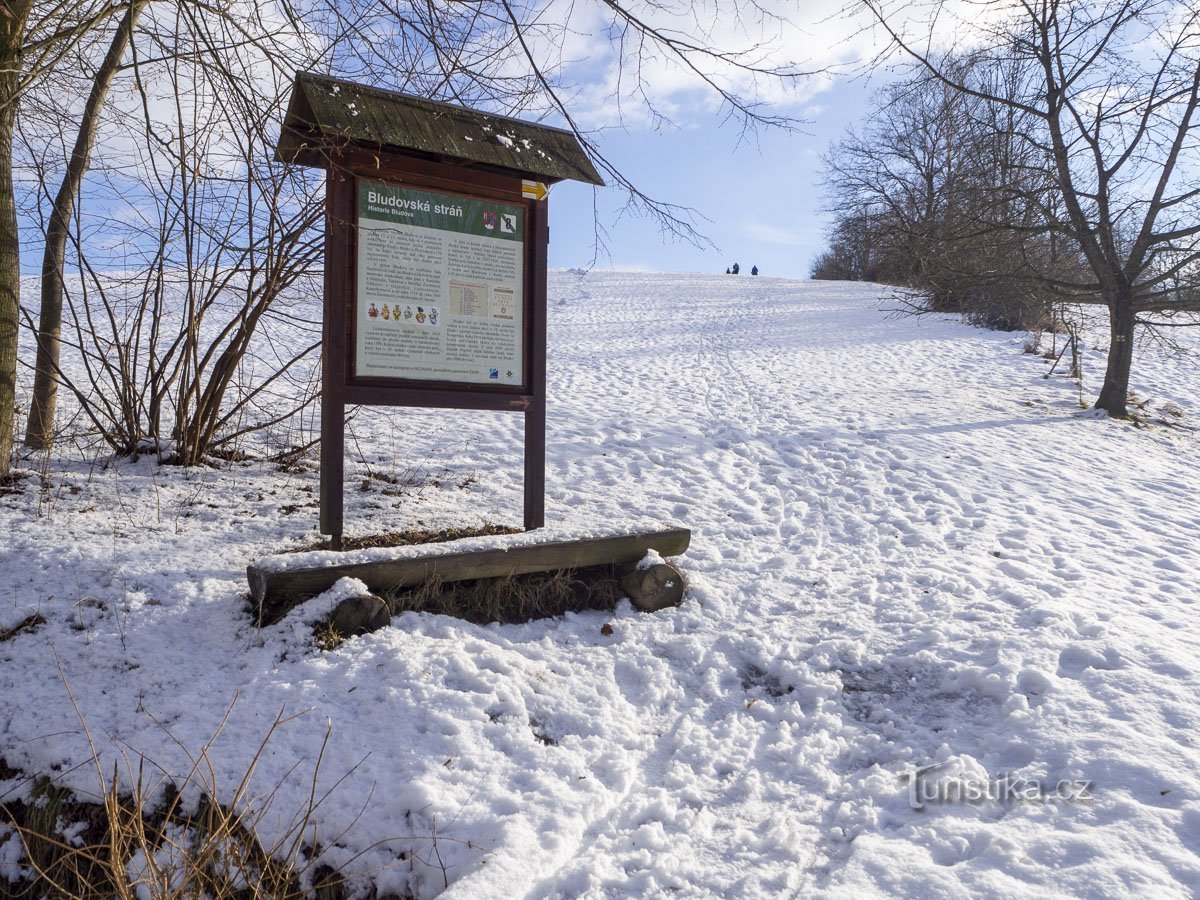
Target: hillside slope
x,y
909,549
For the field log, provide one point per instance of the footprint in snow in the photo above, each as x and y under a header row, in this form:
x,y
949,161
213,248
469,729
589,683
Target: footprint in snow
x,y
1077,658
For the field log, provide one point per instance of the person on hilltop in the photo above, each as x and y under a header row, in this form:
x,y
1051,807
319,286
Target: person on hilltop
x,y
736,268
754,270
727,270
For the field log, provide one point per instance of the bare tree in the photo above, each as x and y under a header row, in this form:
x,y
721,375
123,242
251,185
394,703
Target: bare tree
x,y
39,428
184,236
34,38
12,35
213,234
897,186
944,194
1114,87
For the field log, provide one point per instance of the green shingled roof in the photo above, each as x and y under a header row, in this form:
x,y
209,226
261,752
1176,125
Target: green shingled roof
x,y
327,112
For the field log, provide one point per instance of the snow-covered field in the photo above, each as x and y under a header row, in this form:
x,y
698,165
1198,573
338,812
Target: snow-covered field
x,y
909,549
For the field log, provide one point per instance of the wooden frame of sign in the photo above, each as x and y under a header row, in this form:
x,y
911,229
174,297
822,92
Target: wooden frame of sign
x,y
352,373
436,236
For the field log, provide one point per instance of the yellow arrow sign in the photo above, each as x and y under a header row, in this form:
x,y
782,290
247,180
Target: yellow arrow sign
x,y
534,189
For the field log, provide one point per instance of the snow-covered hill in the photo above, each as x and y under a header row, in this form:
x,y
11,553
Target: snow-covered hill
x,y
909,550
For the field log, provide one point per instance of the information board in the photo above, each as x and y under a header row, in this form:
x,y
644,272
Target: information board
x,y
440,288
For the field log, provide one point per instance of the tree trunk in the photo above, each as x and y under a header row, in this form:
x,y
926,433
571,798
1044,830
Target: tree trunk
x,y
39,429
1114,395
10,255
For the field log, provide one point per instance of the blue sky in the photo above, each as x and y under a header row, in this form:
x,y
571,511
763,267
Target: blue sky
x,y
758,197
761,197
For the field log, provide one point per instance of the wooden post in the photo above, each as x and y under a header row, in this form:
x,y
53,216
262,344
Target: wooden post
x,y
538,235
339,220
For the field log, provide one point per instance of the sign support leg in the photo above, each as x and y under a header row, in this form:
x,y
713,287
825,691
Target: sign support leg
x,y
535,466
339,218
333,450
535,414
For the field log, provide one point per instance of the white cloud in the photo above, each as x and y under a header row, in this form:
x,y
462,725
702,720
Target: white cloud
x,y
768,233
634,85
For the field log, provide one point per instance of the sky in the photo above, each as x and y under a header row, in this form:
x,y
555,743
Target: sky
x,y
759,200
757,197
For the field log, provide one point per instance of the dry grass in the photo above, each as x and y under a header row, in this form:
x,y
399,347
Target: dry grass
x,y
27,624
516,598
327,636
409,538
167,838
116,849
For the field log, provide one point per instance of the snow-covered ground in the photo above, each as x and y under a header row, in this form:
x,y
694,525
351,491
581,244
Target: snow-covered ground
x,y
909,549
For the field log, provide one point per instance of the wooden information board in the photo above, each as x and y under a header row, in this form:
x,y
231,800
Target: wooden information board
x,y
436,237
481,340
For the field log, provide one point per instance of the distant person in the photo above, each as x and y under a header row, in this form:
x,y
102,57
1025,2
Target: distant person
x,y
727,270
736,268
754,270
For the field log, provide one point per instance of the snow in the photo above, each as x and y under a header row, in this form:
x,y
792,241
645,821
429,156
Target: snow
x,y
909,550
283,562
319,607
12,853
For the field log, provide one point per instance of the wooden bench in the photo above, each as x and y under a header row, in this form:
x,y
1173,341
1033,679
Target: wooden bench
x,y
279,583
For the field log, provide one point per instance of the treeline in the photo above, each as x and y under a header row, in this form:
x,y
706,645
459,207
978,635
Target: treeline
x,y
1050,160
951,196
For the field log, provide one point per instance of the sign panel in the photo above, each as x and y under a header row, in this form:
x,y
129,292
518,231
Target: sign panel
x,y
440,293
